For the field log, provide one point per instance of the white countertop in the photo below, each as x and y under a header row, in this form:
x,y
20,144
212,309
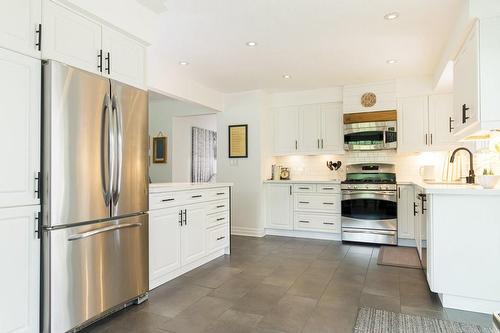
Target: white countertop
x,y
167,187
303,181
452,189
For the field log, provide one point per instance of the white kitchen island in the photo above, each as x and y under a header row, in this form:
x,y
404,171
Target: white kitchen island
x,y
461,245
189,225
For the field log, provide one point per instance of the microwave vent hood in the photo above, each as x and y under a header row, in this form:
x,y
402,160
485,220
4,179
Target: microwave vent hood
x,y
369,117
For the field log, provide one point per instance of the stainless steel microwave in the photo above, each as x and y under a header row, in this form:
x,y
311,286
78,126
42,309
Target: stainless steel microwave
x,y
378,135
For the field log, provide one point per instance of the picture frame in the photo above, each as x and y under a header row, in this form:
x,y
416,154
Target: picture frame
x,y
160,149
238,141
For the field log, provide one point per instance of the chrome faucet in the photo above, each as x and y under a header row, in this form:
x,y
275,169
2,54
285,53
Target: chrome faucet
x,y
471,177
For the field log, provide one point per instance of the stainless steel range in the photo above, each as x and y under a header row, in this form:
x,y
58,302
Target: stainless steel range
x,y
369,204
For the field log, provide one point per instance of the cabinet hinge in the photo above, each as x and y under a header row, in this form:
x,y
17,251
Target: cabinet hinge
x,y
38,225
38,33
38,184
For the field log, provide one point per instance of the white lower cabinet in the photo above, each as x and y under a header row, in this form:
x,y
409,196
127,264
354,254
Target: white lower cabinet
x,y
406,223
20,277
187,229
302,208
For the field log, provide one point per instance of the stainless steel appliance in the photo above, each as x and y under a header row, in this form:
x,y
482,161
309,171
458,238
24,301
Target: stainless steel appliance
x,y
376,135
369,204
95,195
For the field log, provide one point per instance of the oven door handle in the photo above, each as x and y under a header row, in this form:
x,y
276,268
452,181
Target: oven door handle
x,y
376,195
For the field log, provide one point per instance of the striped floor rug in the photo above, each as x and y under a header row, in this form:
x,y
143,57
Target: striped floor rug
x,y
380,321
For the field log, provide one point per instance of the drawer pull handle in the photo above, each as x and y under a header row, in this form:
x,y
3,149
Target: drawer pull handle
x,y
329,223
196,196
166,200
221,218
221,206
303,202
327,203
221,193
304,188
327,188
302,221
220,238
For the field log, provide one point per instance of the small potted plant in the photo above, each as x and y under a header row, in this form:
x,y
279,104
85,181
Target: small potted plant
x,y
488,180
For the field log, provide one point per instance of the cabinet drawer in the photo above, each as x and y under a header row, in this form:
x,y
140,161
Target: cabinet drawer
x,y
324,203
319,222
304,188
217,238
216,219
325,188
166,199
217,193
218,206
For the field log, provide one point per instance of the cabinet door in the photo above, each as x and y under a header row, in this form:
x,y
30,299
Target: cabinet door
x,y
285,130
466,83
406,223
417,218
309,129
123,58
70,38
20,278
164,244
19,128
279,206
413,124
440,124
19,20
193,234
331,128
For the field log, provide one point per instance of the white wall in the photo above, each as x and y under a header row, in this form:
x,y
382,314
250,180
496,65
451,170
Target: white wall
x,y
182,143
162,112
246,173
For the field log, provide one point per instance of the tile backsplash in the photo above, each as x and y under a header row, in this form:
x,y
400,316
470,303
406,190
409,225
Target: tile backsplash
x,y
407,165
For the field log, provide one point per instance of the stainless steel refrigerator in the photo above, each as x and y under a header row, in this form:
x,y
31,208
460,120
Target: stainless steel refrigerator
x,y
95,196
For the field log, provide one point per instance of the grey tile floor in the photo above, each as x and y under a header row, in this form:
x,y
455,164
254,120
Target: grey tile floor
x,y
281,284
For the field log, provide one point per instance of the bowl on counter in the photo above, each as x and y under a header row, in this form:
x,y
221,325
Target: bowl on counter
x,y
488,182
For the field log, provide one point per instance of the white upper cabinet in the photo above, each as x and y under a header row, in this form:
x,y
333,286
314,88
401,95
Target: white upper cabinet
x,y
279,201
466,83
385,92
70,38
425,122
124,58
309,128
19,128
286,130
19,26
441,122
413,133
20,278
477,80
332,138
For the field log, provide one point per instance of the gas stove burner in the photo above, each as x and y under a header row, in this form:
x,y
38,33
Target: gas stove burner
x,y
369,181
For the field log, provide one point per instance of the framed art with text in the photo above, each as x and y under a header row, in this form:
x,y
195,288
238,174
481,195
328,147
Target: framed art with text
x,y
238,141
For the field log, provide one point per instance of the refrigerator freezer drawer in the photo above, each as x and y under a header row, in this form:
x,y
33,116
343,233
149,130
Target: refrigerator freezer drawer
x,y
92,268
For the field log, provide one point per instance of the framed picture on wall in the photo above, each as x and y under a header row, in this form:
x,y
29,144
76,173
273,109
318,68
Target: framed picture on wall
x,y
238,141
160,149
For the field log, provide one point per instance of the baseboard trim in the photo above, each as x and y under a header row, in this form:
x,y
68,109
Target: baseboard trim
x,y
407,242
469,304
303,234
244,231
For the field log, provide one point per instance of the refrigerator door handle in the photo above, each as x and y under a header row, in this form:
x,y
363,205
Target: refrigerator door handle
x,y
119,150
106,146
101,230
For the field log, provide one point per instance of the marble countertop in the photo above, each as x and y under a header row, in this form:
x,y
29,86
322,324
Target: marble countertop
x,y
303,181
452,188
166,187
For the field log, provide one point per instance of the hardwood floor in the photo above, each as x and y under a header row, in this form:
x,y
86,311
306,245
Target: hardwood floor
x,y
281,284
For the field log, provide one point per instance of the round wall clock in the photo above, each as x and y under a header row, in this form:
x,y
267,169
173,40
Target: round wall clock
x,y
368,99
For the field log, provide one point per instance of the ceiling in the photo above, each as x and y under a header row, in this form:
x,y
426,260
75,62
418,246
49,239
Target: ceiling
x,y
320,43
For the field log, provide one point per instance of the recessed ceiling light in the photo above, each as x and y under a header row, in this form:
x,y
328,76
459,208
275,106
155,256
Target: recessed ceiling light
x,y
251,43
392,61
287,76
391,16
183,63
